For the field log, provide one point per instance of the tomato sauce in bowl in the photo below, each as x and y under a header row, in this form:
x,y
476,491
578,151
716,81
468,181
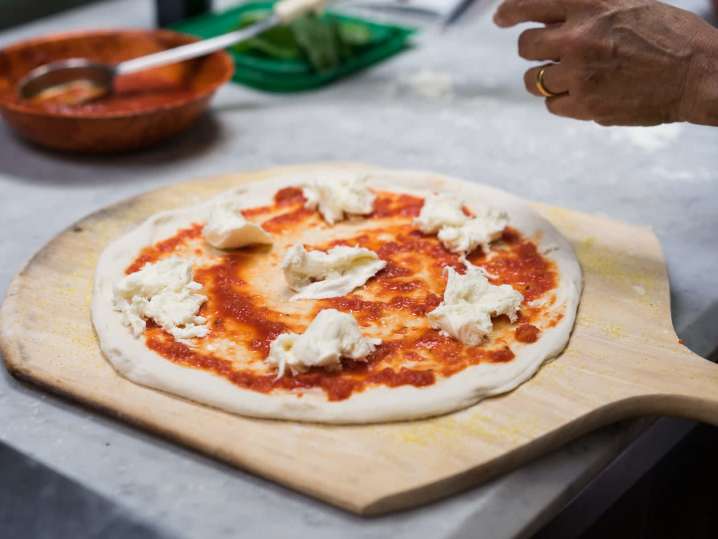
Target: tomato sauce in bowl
x,y
144,108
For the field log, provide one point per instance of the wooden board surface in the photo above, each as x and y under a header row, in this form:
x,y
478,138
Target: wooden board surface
x,y
623,360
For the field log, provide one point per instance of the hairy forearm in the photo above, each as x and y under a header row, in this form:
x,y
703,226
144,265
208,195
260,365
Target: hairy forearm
x,y
700,96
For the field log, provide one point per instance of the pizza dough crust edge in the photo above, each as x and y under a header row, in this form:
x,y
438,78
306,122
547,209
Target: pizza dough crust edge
x,y
132,359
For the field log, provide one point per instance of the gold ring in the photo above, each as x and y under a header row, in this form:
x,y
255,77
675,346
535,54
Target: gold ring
x,y
540,83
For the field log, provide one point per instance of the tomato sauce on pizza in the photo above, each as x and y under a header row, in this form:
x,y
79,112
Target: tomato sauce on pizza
x,y
248,307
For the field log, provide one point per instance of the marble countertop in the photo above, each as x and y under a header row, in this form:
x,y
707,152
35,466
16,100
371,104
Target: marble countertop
x,y
484,128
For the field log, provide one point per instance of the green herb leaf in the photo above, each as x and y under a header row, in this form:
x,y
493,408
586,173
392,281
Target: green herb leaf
x,y
321,39
354,34
277,42
318,40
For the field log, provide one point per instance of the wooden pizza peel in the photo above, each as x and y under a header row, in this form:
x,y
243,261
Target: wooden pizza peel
x,y
624,360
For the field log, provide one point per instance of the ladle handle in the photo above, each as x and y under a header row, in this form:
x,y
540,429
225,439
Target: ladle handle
x,y
284,11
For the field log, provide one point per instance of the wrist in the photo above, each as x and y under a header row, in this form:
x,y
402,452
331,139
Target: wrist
x,y
699,101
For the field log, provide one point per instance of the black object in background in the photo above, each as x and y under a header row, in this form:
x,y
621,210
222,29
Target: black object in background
x,y
171,11
38,503
676,500
14,12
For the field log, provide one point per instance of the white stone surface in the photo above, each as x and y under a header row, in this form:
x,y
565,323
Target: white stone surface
x,y
490,131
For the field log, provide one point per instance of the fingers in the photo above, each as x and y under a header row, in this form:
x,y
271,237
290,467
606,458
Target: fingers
x,y
555,80
512,12
541,43
568,106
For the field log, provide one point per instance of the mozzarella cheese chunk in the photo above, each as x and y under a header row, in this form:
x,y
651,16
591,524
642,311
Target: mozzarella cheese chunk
x,y
227,228
338,197
331,336
470,301
439,211
164,292
459,233
320,275
477,231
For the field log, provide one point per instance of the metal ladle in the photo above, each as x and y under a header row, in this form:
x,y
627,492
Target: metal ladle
x,y
100,77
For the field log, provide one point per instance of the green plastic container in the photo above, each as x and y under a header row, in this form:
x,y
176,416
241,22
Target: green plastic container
x,y
295,75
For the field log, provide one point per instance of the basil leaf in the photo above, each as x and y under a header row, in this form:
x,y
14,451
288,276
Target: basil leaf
x,y
277,42
322,40
318,41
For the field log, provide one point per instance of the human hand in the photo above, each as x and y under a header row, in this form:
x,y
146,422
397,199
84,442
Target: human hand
x,y
619,62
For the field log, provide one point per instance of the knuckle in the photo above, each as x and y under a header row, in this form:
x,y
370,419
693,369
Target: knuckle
x,y
584,81
583,37
525,43
587,45
574,40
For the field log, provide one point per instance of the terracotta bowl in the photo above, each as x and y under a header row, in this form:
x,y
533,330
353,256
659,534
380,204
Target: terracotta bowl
x,y
145,108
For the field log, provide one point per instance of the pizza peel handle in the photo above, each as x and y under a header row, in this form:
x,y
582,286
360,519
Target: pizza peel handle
x,y
681,384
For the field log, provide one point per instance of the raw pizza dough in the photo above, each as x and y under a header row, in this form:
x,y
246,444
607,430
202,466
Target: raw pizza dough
x,y
134,360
